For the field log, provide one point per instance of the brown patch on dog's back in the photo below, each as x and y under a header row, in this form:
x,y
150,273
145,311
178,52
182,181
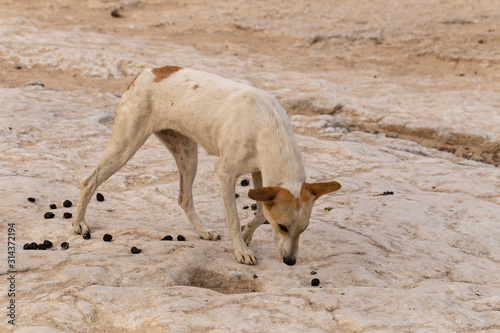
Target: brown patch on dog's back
x,y
162,73
131,83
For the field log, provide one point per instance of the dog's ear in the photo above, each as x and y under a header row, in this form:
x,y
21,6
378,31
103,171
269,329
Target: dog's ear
x,y
264,194
319,189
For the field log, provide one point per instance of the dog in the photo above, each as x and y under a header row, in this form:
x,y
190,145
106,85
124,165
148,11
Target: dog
x,y
244,126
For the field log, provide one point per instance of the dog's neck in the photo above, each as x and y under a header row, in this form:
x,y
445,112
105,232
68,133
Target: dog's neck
x,y
281,161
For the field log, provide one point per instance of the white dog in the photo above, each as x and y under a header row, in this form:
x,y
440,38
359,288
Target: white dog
x,y
246,127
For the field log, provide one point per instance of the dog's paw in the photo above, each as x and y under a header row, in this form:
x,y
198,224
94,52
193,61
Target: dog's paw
x,y
247,235
210,235
81,228
245,257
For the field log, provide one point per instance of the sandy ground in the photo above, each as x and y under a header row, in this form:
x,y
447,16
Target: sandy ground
x,y
383,97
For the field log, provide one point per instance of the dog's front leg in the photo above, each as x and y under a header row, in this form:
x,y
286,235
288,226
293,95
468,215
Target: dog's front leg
x,y
241,251
248,230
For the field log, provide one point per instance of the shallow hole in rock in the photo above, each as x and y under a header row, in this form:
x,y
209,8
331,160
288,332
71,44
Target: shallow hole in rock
x,y
228,283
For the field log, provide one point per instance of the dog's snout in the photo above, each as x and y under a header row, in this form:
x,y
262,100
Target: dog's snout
x,y
289,261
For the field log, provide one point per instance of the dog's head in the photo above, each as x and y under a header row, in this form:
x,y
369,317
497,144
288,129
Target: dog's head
x,y
289,215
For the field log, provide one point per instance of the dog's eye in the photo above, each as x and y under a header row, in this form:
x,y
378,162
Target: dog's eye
x,y
283,228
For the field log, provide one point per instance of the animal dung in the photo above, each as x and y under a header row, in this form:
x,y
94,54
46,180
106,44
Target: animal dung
x,y
107,238
48,244
27,246
34,246
135,250
245,182
116,13
86,235
236,195
254,206
67,203
30,199
99,197
167,238
49,215
315,282
384,193
42,247
65,245
181,238
53,206
67,215
246,207
313,273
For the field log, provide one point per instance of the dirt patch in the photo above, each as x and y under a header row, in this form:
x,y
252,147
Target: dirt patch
x,y
224,283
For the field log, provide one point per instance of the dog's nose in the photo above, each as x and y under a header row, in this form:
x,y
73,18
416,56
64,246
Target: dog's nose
x,y
289,261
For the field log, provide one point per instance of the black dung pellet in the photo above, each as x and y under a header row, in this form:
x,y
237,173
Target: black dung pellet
x,y
245,182
34,246
245,207
67,203
67,215
107,238
181,238
167,238
30,199
48,244
86,235
99,197
65,245
49,215
135,250
53,206
236,195
116,13
41,247
313,272
315,282
27,246
254,206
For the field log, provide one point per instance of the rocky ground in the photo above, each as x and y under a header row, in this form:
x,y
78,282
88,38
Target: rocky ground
x,y
384,97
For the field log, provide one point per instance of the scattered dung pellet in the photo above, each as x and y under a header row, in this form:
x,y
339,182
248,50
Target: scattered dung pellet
x,y
27,246
116,13
42,247
65,245
254,206
67,203
245,182
236,195
48,244
107,238
30,199
99,197
86,235
246,207
181,238
167,238
135,250
67,215
315,282
34,246
53,206
313,273
49,215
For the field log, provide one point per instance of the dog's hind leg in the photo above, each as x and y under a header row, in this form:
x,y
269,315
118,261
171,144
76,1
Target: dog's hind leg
x,y
259,219
129,133
185,152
